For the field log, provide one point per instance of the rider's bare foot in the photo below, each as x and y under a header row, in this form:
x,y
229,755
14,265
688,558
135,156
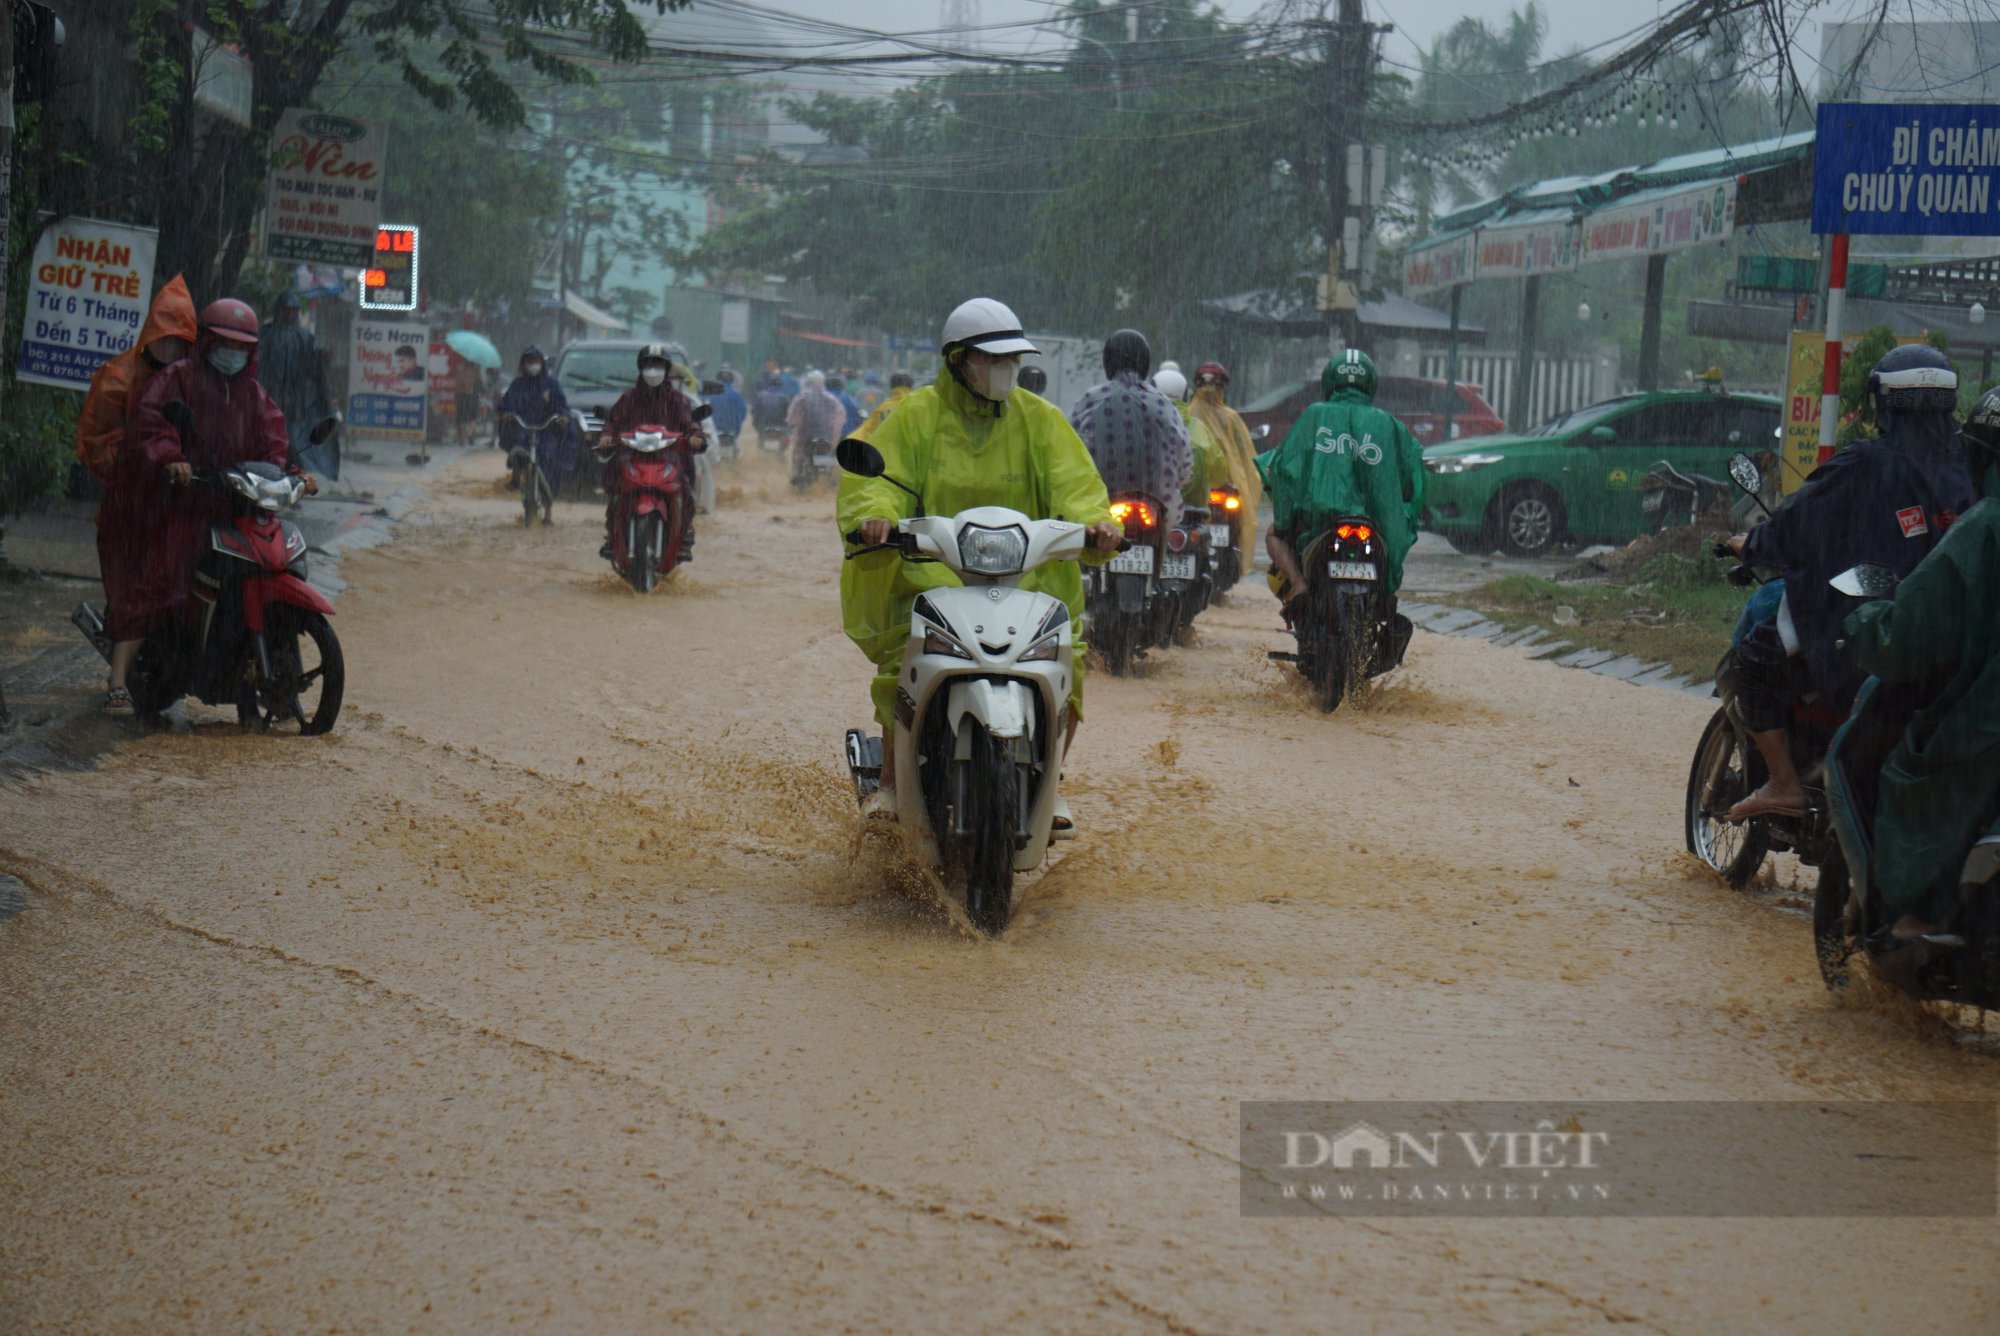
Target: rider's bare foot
x,y
1770,800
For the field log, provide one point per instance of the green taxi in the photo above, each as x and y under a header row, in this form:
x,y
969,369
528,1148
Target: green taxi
x,y
1577,477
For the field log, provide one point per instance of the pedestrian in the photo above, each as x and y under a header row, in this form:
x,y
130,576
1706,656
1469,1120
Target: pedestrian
x,y
292,370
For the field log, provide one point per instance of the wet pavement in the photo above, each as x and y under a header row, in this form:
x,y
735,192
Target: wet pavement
x,y
559,989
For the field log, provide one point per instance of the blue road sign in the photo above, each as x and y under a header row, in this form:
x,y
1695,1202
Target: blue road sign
x,y
1914,169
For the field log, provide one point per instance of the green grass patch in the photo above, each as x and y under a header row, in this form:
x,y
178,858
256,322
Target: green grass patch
x,y
1673,609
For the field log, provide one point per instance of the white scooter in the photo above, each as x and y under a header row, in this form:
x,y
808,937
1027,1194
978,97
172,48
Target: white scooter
x,y
983,704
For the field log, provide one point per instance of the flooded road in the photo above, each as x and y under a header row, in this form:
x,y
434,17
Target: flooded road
x,y
556,991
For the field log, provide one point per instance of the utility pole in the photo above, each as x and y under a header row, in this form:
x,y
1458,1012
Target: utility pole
x,y
1348,73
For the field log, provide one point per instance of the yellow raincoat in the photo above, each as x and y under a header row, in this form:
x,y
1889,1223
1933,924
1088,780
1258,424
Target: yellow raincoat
x,y
1211,467
873,422
959,451
1227,430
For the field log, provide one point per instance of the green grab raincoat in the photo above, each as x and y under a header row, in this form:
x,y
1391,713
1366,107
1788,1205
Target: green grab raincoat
x,y
1347,457
1211,466
1941,785
959,451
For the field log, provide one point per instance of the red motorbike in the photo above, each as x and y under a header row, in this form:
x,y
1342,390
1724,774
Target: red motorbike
x,y
649,500
252,632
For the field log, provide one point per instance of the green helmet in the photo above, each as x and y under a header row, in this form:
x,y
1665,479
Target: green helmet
x,y
1350,370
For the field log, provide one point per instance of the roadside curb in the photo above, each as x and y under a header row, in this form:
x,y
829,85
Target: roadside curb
x,y
369,528
1537,643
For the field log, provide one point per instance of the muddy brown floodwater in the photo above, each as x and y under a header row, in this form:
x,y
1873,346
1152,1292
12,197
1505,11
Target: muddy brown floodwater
x,y
554,992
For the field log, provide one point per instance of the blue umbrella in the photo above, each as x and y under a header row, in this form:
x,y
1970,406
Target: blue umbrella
x,y
474,348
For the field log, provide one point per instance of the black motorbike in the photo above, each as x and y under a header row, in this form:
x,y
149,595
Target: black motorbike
x,y
1187,579
1728,768
1125,607
1346,626
1225,503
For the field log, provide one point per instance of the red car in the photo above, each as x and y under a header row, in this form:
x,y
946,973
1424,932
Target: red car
x,y
1417,402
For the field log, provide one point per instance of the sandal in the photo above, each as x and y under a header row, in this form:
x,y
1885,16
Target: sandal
x,y
879,805
118,703
1754,807
1062,826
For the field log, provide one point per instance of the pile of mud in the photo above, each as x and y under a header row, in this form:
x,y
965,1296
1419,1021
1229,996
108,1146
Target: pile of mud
x,y
1636,555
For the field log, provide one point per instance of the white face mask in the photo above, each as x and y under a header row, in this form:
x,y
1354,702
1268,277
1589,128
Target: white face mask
x,y
653,375
999,380
531,368
228,361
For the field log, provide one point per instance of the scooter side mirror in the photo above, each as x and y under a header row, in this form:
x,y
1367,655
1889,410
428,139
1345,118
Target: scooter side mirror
x,y
324,428
1866,581
178,414
1745,472
702,412
858,457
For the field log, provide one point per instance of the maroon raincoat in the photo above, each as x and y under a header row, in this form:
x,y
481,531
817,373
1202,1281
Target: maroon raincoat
x,y
652,406
168,525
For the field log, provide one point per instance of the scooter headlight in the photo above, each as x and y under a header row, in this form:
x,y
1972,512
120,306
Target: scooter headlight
x,y
1044,650
937,642
985,551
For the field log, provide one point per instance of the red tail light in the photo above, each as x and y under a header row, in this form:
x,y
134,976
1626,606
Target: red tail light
x,y
1358,532
1226,497
1137,512
1176,539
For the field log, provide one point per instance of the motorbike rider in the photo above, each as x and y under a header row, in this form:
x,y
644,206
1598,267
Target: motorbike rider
x,y
1134,432
971,438
1344,456
653,401
815,415
168,335
1940,790
870,395
167,519
1887,500
899,390
534,396
837,387
729,406
1226,429
1210,468
767,408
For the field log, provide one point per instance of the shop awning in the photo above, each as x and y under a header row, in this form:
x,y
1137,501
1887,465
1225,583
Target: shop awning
x,y
834,340
594,316
1651,209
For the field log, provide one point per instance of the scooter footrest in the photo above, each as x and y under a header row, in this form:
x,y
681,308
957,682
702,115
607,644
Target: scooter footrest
x,y
1281,656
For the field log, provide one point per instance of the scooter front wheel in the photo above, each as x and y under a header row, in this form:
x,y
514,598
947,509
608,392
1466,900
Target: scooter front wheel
x,y
309,676
987,851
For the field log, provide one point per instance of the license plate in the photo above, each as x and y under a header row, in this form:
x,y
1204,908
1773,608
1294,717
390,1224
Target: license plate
x,y
1132,561
1351,570
1218,534
822,461
1177,567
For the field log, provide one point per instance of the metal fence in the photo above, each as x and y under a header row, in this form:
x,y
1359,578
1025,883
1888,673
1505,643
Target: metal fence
x,y
1560,384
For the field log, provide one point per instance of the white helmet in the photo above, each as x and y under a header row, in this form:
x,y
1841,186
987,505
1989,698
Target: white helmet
x,y
1170,365
1171,383
987,325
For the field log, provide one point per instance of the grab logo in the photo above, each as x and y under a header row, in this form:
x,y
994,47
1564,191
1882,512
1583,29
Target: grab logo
x,y
1327,442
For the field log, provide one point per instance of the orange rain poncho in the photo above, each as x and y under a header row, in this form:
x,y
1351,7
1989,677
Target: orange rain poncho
x,y
115,389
